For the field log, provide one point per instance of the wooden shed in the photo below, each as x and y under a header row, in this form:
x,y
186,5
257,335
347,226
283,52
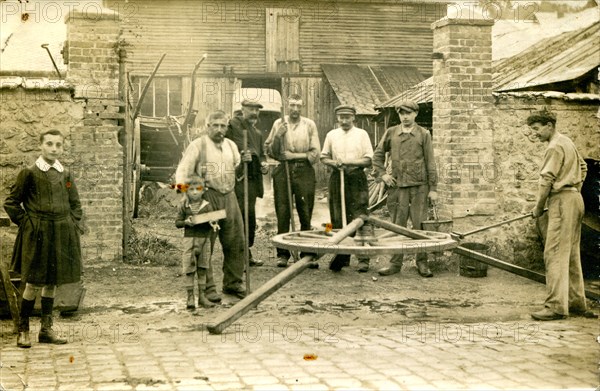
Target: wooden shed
x,y
276,44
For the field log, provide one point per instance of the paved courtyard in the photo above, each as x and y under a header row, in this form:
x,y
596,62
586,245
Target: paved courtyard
x,y
281,356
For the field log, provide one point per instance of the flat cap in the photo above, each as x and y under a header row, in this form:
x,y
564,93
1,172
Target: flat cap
x,y
345,109
251,103
408,105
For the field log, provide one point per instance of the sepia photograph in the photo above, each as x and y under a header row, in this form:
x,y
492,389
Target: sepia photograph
x,y
299,195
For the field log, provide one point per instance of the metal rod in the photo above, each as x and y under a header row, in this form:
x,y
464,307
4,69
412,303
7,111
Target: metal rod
x,y
462,235
45,46
253,299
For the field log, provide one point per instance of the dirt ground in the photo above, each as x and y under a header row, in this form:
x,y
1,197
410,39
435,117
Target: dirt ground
x,y
146,293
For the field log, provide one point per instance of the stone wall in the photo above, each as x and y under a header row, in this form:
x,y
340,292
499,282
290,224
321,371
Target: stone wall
x,y
87,110
518,157
487,161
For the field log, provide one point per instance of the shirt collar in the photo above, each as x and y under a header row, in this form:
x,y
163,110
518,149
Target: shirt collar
x,y
44,166
412,130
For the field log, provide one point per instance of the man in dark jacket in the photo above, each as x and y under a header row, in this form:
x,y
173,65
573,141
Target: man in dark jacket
x,y
413,179
235,132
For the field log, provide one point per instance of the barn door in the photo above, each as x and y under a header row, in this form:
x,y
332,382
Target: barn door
x,y
283,40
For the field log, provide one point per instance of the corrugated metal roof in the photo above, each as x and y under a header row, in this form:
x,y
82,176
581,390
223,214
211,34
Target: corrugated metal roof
x,y
365,86
561,58
556,59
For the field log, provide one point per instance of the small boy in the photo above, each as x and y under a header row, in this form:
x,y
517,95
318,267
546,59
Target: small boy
x,y
44,203
198,241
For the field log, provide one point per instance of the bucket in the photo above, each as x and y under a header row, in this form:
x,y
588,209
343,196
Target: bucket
x,y
470,267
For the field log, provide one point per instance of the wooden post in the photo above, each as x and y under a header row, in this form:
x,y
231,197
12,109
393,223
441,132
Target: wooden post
x,y
252,300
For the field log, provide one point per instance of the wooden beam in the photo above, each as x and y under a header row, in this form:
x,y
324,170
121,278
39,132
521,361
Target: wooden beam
x,y
252,300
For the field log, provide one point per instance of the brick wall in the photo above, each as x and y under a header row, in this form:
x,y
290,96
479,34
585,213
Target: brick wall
x,y
93,70
461,121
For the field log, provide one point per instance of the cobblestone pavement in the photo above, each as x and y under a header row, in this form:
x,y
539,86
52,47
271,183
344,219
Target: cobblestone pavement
x,y
279,356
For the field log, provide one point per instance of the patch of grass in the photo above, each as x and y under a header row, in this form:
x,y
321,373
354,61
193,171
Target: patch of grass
x,y
148,249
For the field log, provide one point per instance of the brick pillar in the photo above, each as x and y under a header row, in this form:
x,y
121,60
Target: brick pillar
x,y
93,70
462,109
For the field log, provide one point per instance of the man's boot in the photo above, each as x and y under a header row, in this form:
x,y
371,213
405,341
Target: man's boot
x,y
46,334
423,268
392,269
212,296
23,339
191,301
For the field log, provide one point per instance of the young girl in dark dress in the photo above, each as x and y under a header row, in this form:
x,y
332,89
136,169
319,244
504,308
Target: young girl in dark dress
x,y
44,203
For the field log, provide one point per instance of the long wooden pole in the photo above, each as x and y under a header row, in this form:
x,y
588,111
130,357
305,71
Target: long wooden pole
x,y
252,300
509,267
246,227
138,106
343,197
287,171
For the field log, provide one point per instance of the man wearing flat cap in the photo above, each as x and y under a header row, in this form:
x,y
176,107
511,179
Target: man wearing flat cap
x,y
561,178
348,151
235,132
413,179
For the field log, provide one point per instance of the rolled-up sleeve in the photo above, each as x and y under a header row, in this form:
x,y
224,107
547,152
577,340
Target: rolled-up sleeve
x,y
552,163
187,165
315,145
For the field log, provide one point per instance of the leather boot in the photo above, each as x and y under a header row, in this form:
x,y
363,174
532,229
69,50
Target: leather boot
x,y
392,269
46,334
212,296
191,301
363,265
423,268
202,299
23,339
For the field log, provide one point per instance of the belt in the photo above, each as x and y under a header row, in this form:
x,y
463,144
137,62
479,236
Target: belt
x,y
298,163
563,189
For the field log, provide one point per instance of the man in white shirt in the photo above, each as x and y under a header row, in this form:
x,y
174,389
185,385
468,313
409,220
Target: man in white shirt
x,y
347,149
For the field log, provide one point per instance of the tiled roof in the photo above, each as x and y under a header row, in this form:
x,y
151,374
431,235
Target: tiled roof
x,y
366,86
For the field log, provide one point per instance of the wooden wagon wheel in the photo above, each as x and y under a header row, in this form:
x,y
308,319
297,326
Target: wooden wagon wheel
x,y
379,243
136,177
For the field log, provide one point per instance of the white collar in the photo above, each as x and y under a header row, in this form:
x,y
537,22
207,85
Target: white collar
x,y
44,166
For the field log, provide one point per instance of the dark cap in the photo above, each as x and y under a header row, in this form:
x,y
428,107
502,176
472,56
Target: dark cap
x,y
408,105
251,103
345,109
541,116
